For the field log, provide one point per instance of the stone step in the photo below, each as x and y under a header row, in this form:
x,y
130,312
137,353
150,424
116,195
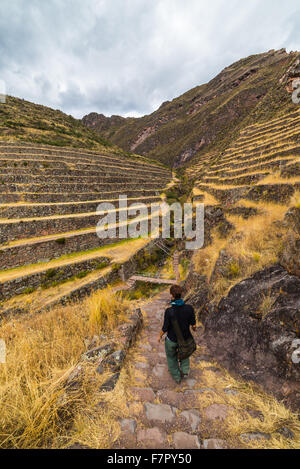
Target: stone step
x,y
77,289
291,170
70,188
70,171
44,248
33,197
46,210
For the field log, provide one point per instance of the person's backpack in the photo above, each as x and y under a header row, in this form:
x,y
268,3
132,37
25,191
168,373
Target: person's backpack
x,y
185,347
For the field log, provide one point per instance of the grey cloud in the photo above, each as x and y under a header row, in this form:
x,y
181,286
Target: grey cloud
x,y
127,56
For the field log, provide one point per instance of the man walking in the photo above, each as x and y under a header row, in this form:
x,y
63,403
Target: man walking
x,y
185,316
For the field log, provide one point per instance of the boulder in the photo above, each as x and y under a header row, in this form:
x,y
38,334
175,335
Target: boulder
x,y
255,436
99,352
110,384
290,256
196,291
256,343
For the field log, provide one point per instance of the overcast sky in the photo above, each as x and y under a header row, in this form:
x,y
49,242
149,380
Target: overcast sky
x,y
128,56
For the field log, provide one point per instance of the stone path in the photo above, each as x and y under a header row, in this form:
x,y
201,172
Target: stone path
x,y
163,414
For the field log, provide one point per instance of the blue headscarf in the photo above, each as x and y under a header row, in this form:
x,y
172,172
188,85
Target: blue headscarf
x,y
179,302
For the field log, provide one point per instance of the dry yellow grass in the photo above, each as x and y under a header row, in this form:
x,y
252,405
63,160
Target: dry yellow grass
x,y
107,309
248,397
254,246
205,259
42,351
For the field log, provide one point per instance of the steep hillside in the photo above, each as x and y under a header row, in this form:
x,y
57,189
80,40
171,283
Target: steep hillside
x,y
246,279
23,121
26,121
208,117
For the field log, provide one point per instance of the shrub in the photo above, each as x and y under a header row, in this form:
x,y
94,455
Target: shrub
x,y
28,290
101,265
50,274
266,305
256,257
61,241
82,274
233,269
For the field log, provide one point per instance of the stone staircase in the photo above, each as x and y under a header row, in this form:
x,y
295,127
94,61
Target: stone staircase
x,y
262,166
49,198
208,410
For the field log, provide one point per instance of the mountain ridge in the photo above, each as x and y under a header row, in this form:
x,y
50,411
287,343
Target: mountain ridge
x,y
208,117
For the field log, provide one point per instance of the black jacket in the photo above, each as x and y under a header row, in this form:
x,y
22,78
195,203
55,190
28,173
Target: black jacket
x,y
185,316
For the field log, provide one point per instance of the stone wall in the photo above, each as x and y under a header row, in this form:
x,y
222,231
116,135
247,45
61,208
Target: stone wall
x,y
32,211
44,250
7,198
30,229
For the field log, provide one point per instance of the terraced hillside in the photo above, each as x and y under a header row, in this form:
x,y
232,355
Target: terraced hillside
x,y
49,196
262,165
247,278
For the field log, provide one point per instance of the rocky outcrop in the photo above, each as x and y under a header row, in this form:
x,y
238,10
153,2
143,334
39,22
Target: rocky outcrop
x,y
108,357
257,341
290,256
102,123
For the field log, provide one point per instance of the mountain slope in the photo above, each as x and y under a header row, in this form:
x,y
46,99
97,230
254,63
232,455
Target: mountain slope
x,y
208,117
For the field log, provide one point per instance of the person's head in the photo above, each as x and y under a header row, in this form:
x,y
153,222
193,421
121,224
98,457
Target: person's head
x,y
176,292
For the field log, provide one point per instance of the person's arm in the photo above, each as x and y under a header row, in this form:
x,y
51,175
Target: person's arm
x,y
193,320
165,327
161,334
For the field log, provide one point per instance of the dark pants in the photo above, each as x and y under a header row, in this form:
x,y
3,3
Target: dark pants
x,y
174,365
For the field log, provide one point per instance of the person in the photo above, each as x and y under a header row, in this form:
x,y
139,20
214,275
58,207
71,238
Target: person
x,y
185,316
